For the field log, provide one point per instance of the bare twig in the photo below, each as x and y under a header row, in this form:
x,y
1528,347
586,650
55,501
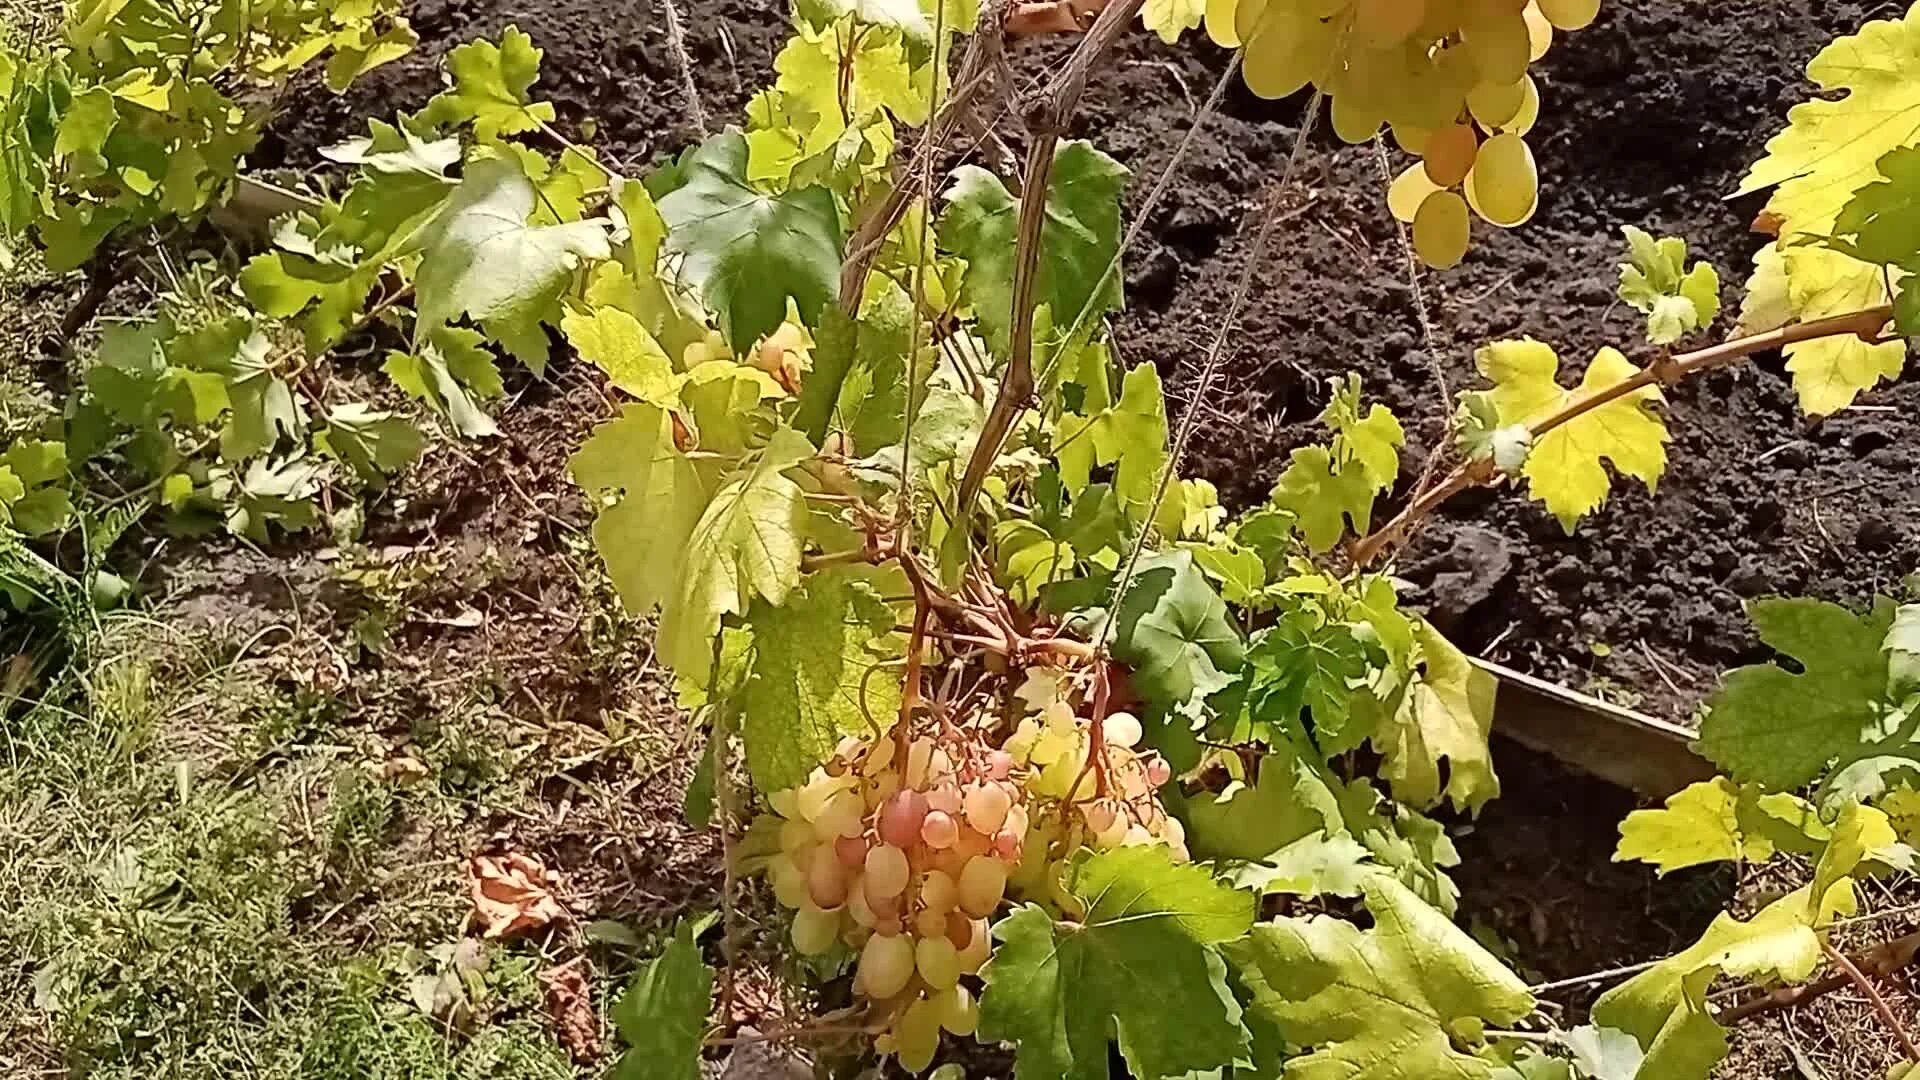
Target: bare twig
x,y
1866,324
682,60
1880,1006
1881,961
1048,121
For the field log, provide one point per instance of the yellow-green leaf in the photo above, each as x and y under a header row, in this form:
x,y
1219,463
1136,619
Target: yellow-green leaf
x,y
1564,469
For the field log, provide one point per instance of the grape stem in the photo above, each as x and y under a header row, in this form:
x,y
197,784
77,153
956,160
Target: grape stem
x,y
1866,324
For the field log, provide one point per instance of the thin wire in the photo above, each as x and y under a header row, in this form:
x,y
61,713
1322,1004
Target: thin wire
x,y
920,270
1271,218
1427,336
677,44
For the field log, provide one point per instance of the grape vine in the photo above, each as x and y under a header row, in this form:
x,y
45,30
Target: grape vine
x,y
1045,746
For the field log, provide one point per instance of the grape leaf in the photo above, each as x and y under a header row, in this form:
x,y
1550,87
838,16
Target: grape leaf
x,y
905,16
1564,468
1171,18
812,67
1664,1008
616,343
1078,239
747,543
1604,1053
1384,1004
1444,714
490,84
1655,279
32,502
1130,434
481,259
448,370
1302,663
1883,217
1141,965
1779,729
663,1014
1831,148
749,253
373,442
1175,633
813,676
1372,438
650,497
1323,497
1718,821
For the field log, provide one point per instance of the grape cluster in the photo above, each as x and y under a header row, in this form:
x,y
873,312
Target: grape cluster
x,y
904,857
1450,78
903,861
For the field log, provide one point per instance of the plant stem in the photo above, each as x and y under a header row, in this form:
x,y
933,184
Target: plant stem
x,y
1049,121
1880,1005
1864,324
1881,961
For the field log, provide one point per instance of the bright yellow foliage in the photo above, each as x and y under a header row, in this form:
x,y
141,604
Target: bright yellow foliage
x,y
1564,468
1829,151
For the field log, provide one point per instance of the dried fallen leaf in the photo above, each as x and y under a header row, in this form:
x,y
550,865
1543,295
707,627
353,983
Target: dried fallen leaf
x,y
510,894
404,769
570,1008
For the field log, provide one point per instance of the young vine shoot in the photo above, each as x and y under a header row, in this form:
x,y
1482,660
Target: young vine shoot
x,y
1016,734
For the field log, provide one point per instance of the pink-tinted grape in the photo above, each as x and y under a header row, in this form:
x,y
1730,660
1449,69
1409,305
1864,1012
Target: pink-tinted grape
x,y
886,871
938,830
981,885
987,806
944,798
826,879
851,851
901,818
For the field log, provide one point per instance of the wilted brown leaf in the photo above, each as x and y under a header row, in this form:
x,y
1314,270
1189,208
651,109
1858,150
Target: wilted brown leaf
x,y
570,1007
511,894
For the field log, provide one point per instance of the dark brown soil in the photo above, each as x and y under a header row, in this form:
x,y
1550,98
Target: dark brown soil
x,y
1649,116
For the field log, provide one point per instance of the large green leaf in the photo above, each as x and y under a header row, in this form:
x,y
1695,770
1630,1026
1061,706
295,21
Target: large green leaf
x,y
663,1014
480,259
1080,237
1781,729
374,442
1141,968
1324,495
747,543
1717,821
650,497
1445,714
1303,664
1175,632
813,675
1384,1004
747,252
1129,434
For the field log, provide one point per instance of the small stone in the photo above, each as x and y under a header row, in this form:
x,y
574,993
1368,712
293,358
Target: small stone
x,y
1877,533
1747,580
1396,344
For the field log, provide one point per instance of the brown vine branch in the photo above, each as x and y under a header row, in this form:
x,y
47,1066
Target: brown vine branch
x,y
1049,122
1880,1006
1865,324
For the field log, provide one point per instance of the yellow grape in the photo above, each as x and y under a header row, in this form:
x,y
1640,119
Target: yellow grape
x,y
1504,184
986,807
886,871
796,838
982,882
1522,121
1450,154
814,930
1539,32
930,923
937,961
1570,14
1387,22
879,756
1441,230
1493,104
1411,137
1219,22
812,798
919,760
843,815
973,955
886,965
938,893
1499,45
1355,119
789,883
916,1035
1288,50
860,909
958,1012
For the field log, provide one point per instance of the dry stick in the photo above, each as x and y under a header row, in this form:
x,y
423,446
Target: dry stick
x,y
1873,994
1049,121
1864,324
677,44
1271,218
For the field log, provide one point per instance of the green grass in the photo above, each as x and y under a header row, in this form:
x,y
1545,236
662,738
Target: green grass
x,y
191,887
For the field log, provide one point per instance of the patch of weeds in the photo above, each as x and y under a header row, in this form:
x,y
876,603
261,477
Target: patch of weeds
x,y
360,814
1612,692
384,590
417,1015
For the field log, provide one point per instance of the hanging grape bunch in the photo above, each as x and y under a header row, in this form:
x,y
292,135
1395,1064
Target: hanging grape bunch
x,y
904,855
1448,76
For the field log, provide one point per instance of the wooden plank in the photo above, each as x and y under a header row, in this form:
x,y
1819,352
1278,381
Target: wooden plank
x,y
255,204
1642,753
